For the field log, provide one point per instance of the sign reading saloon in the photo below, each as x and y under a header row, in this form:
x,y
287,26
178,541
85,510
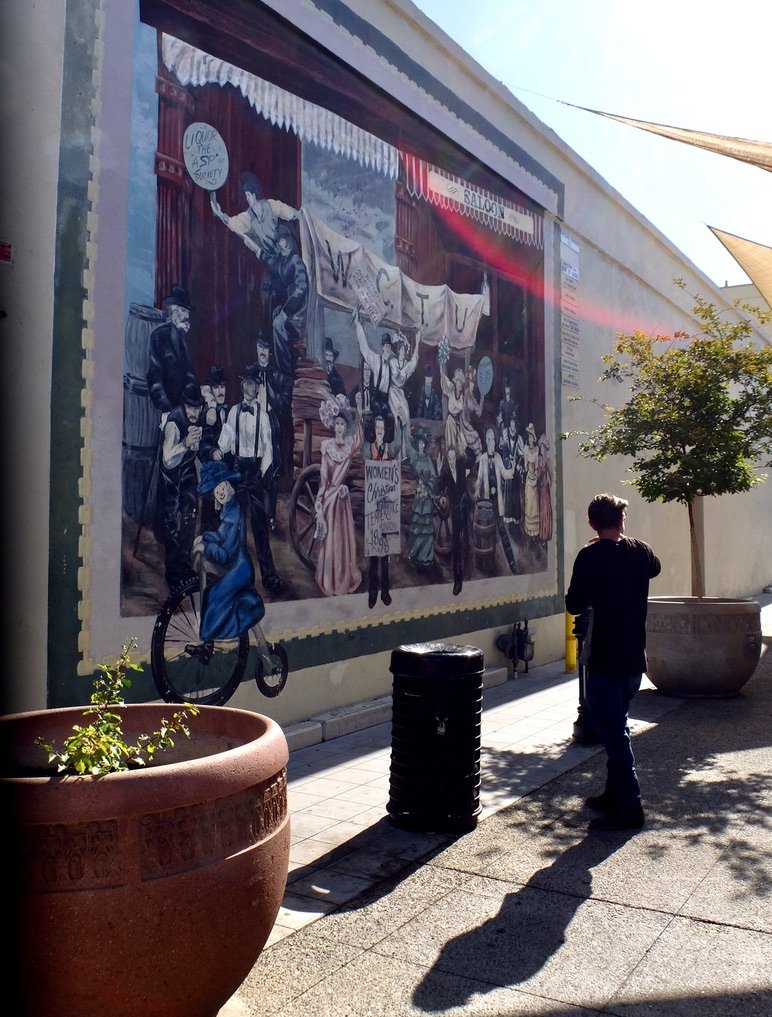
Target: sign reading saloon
x,y
484,204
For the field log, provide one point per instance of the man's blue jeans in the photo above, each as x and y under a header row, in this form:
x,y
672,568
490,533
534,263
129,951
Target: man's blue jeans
x,y
608,701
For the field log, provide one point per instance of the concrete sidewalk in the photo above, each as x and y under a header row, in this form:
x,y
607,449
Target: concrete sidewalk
x,y
530,913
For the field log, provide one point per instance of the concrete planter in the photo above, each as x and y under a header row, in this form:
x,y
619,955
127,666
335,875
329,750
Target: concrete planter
x,y
705,647
148,892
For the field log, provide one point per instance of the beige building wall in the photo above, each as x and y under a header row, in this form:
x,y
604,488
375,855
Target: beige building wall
x,y
625,280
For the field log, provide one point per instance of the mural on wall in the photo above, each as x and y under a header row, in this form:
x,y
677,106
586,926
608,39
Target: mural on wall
x,y
341,358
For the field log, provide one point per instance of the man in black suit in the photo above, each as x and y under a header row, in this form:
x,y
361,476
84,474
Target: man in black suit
x,y
214,391
248,444
170,367
178,495
334,380
453,485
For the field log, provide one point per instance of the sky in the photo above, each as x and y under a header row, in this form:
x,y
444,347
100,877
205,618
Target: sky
x,y
686,63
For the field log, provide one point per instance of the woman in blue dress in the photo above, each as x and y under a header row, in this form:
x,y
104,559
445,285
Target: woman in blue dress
x,y
230,604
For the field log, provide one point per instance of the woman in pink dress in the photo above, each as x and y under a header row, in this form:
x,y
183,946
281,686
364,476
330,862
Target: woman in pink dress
x,y
337,572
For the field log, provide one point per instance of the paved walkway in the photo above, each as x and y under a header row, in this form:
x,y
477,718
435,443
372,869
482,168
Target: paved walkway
x,y
529,913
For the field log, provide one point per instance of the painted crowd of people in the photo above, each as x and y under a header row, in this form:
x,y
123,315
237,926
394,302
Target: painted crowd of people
x,y
219,461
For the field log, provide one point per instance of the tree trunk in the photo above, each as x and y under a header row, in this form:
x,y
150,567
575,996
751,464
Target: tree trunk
x,y
698,576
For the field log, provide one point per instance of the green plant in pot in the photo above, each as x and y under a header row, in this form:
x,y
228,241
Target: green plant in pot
x,y
156,847
697,423
100,746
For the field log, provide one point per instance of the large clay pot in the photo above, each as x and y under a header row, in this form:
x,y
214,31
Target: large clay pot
x,y
148,892
705,647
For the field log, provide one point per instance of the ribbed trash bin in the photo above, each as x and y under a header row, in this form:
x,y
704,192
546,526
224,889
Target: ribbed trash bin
x,y
434,779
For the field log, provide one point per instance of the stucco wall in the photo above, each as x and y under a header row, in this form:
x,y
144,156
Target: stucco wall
x,y
626,270
31,62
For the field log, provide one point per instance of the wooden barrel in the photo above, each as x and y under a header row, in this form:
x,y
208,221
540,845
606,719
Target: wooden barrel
x,y
484,531
140,417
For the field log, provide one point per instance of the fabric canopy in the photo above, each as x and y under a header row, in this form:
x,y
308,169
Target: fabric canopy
x,y
757,153
753,258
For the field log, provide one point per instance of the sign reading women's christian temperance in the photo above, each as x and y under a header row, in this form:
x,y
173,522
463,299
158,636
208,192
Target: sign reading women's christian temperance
x,y
382,500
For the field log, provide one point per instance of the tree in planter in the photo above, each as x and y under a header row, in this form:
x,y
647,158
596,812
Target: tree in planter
x,y
698,420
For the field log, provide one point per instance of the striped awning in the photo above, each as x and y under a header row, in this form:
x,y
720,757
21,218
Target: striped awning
x,y
435,185
192,66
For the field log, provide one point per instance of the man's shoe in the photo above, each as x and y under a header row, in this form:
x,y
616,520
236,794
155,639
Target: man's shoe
x,y
601,803
372,597
619,821
203,650
456,589
386,597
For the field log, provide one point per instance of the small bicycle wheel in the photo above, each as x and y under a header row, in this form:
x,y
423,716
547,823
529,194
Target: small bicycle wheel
x,y
271,680
185,668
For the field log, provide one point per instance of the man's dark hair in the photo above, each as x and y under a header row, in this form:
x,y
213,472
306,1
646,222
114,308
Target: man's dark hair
x,y
606,510
249,182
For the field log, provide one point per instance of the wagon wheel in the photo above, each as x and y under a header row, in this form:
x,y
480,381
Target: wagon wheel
x,y
302,515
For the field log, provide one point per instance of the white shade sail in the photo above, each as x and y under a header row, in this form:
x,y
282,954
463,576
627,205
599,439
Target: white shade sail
x,y
753,258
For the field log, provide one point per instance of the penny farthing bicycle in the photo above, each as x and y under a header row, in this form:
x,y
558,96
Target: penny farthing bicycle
x,y
188,670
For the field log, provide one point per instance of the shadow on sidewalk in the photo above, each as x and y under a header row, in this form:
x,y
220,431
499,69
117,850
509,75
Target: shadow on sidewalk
x,y
706,774
528,929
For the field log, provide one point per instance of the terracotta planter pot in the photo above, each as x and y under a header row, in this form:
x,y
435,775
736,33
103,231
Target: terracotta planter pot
x,y
149,892
705,647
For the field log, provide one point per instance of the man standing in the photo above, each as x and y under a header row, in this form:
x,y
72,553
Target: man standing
x,y
274,394
247,441
452,485
379,450
380,371
213,391
611,575
429,404
334,380
182,433
491,476
290,283
170,368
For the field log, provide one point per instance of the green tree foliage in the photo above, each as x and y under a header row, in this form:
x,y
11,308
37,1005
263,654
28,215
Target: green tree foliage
x,y
698,419
100,747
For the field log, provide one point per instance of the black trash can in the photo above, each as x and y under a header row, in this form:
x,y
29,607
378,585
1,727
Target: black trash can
x,y
434,779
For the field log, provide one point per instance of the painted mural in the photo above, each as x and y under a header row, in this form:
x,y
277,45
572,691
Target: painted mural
x,y
334,371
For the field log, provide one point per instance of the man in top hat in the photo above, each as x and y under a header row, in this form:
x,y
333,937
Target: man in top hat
x,y
507,408
334,380
380,450
214,391
275,396
182,433
248,443
430,403
169,365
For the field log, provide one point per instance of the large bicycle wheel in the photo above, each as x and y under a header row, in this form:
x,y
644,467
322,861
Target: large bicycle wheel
x,y
185,668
